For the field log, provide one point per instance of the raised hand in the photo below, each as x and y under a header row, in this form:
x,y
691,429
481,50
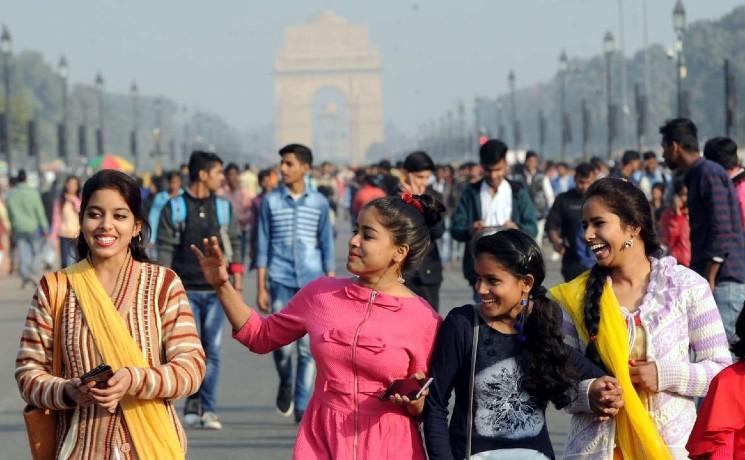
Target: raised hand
x,y
212,262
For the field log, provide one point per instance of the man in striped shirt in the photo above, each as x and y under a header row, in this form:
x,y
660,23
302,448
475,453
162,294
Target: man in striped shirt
x,y
717,238
295,245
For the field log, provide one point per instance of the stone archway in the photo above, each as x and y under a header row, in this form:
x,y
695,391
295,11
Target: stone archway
x,y
329,56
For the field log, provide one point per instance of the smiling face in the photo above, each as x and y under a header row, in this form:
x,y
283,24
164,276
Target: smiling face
x,y
372,251
108,225
605,234
500,290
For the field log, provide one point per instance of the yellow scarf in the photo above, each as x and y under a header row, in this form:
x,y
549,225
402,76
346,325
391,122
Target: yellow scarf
x,y
148,421
636,433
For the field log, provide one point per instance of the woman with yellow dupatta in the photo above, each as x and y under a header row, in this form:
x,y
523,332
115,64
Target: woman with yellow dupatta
x,y
638,315
115,309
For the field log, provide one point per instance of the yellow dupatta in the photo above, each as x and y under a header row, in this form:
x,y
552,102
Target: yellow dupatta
x,y
638,437
148,421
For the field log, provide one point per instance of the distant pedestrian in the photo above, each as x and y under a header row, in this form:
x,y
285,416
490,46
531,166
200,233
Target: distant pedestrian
x,y
295,245
266,185
675,230
491,203
717,236
424,279
650,175
564,226
66,221
539,188
723,151
563,181
366,332
240,198
30,227
185,220
174,189
631,163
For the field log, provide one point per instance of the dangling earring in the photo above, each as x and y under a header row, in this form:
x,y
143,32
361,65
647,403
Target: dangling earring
x,y
401,279
628,243
520,323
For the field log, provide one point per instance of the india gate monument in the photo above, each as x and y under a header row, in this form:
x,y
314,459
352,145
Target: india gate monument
x,y
328,89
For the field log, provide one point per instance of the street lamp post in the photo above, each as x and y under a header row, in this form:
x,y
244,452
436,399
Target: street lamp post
x,y
679,24
6,47
563,66
513,110
157,133
100,141
62,131
609,47
134,92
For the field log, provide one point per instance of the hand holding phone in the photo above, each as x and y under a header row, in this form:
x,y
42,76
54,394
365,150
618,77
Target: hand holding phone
x,y
412,388
100,374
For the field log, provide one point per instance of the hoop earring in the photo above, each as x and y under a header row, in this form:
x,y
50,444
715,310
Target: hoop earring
x,y
401,279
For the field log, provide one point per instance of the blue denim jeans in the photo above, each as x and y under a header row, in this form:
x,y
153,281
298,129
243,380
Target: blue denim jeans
x,y
209,317
68,249
306,367
729,297
29,252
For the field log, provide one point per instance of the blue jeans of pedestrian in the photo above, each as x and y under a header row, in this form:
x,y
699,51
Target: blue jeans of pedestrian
x,y
68,249
29,251
729,297
209,316
306,367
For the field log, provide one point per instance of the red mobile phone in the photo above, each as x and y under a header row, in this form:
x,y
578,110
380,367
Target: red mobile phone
x,y
411,387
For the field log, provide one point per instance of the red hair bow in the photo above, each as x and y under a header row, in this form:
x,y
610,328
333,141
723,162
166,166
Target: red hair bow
x,y
408,198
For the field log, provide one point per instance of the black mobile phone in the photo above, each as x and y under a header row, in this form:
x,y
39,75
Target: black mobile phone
x,y
411,387
100,374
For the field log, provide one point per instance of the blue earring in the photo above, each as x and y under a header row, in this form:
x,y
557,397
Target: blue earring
x,y
520,324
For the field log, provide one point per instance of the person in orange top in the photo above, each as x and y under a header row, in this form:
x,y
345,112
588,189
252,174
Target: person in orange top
x,y
368,192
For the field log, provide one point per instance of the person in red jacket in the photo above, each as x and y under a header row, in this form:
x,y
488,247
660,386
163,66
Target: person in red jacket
x,y
675,230
719,432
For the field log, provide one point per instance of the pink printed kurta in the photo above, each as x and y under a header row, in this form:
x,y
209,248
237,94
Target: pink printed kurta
x,y
358,350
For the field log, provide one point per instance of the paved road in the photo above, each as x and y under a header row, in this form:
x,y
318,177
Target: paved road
x,y
252,428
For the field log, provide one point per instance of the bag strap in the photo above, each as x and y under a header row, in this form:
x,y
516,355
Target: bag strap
x,y
474,345
223,211
57,284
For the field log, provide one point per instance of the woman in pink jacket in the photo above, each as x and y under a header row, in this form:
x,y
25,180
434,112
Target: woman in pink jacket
x,y
365,332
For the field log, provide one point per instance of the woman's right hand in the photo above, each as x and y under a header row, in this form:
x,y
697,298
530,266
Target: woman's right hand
x,y
78,393
606,397
212,262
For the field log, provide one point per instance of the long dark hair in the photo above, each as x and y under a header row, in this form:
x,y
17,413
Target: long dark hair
x,y
542,357
628,202
408,225
115,180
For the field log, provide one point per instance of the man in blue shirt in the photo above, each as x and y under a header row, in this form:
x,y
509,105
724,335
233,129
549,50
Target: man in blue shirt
x,y
717,239
295,245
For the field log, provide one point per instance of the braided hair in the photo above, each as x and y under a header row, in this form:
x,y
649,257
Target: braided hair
x,y
541,356
628,202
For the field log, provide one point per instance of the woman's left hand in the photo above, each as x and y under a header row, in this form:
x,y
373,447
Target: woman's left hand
x,y
644,375
413,407
109,398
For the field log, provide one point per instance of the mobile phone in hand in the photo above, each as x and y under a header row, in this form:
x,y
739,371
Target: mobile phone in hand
x,y
411,388
100,374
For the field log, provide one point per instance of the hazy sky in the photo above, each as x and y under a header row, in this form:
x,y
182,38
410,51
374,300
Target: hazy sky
x,y
219,55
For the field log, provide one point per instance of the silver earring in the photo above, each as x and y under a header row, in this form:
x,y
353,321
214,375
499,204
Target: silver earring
x,y
628,243
401,279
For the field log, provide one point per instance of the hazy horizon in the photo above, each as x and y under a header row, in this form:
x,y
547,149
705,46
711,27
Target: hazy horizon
x,y
434,54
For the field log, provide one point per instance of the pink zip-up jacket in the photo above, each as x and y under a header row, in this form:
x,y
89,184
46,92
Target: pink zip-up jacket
x,y
361,340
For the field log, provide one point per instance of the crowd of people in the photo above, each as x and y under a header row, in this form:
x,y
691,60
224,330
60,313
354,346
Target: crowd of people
x,y
641,333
